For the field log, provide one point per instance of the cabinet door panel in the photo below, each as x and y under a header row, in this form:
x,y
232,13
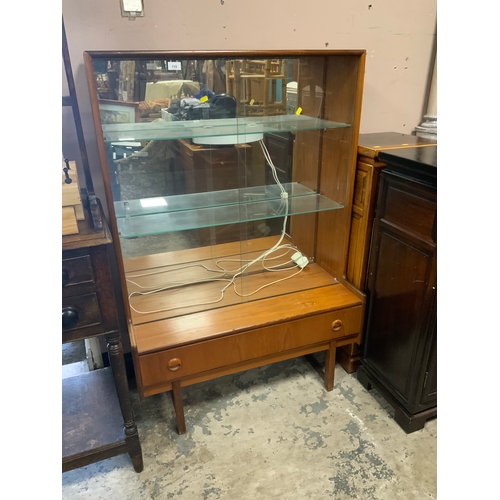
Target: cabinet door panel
x,y
413,210
398,289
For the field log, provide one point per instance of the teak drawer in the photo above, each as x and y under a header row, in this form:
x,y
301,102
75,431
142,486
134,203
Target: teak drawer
x,y
176,363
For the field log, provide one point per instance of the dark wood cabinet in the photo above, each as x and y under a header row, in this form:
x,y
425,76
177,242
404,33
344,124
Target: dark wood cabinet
x,y
97,417
368,168
280,147
399,345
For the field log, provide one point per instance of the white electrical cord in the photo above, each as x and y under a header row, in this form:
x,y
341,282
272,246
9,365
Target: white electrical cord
x,y
180,283
284,196
170,308
299,260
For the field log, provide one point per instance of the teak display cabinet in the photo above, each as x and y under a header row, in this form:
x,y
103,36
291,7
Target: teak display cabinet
x,y
229,259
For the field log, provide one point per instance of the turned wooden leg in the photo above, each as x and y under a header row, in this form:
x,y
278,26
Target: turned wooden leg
x,y
330,366
178,407
117,363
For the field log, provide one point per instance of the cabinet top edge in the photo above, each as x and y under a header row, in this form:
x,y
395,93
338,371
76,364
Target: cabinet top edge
x,y
371,145
420,164
221,53
414,157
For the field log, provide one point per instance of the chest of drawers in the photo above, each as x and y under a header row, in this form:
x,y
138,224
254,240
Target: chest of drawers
x,y
97,417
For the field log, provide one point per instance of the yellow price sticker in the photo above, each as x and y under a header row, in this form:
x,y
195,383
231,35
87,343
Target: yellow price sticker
x,y
251,102
204,99
299,110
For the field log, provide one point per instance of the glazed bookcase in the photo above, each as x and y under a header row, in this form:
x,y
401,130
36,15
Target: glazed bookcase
x,y
232,231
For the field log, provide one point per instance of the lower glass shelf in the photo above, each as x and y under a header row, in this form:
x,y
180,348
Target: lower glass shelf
x,y
232,207
177,203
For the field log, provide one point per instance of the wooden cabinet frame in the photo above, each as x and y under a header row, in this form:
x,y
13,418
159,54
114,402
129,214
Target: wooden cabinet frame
x,y
325,312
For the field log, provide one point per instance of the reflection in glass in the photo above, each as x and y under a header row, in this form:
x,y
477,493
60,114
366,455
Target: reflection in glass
x,y
189,144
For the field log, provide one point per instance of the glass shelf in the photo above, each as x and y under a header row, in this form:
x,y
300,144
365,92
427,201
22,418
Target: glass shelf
x,y
177,203
221,214
245,126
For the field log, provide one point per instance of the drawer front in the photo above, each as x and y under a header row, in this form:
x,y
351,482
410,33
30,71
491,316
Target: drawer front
x,y
411,207
80,312
77,271
193,359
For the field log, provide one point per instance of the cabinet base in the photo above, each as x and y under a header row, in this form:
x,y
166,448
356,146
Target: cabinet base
x,y
407,421
326,371
349,357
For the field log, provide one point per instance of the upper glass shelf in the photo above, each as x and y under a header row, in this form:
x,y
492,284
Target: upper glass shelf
x,y
192,129
185,212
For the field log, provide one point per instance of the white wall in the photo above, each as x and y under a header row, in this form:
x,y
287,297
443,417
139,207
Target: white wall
x,y
398,35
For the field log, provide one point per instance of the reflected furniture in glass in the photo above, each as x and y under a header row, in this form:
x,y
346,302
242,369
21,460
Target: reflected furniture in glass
x,y
232,220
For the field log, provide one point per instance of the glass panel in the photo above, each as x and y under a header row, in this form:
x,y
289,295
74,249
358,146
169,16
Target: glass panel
x,y
157,223
147,206
241,130
212,160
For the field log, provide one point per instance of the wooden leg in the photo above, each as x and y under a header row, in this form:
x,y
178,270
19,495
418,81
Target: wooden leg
x,y
330,366
326,372
117,363
135,452
178,407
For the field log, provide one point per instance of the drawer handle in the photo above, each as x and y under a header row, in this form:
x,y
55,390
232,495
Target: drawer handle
x,y
69,317
174,364
337,325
